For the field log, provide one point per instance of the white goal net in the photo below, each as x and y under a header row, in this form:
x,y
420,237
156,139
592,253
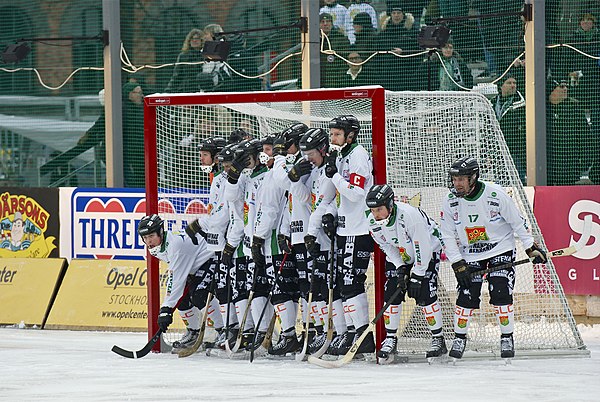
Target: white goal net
x,y
415,136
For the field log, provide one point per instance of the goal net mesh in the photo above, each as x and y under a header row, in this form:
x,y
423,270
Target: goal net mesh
x,y
425,132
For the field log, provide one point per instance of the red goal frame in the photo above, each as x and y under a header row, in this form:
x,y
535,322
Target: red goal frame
x,y
151,102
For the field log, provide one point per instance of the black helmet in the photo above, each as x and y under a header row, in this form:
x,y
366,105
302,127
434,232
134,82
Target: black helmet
x,y
237,136
227,154
268,140
315,138
293,134
150,224
251,147
380,194
348,123
465,166
212,145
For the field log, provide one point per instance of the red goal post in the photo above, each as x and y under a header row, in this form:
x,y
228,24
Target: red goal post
x,y
375,96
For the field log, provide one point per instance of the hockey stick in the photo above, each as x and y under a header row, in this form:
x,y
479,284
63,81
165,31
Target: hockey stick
x,y
269,333
194,348
352,352
329,337
300,356
140,353
148,347
561,252
238,341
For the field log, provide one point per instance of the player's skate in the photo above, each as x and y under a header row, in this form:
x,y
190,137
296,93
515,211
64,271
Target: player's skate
x,y
342,343
260,337
507,348
287,344
387,352
186,341
317,343
438,349
458,348
228,335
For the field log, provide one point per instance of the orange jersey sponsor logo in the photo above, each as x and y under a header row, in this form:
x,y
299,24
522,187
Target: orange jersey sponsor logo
x,y
476,234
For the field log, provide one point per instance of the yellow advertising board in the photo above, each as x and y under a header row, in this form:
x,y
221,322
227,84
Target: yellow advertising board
x,y
26,288
103,294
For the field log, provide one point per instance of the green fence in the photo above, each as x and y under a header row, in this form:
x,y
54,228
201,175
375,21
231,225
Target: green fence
x,y
49,101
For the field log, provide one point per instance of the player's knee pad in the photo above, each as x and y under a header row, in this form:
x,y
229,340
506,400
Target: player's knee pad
x,y
500,294
470,298
199,298
390,287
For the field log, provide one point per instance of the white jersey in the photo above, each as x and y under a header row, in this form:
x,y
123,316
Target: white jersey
x,y
410,237
298,206
482,227
249,194
217,220
270,203
322,201
234,194
184,258
352,182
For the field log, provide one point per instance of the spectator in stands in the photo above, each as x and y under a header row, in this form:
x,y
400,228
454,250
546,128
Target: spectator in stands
x,y
398,35
332,66
360,7
455,71
509,106
357,74
185,75
573,151
584,71
133,135
340,17
364,34
96,135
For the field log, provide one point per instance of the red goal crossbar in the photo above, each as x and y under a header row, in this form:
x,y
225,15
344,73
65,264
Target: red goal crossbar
x,y
375,93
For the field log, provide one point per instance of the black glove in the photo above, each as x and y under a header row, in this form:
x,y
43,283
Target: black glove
x,y
329,224
330,166
257,253
299,169
313,248
279,147
165,318
461,271
414,286
403,276
239,163
193,228
536,254
227,254
284,243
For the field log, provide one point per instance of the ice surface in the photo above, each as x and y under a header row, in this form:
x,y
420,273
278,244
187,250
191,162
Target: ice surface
x,y
74,366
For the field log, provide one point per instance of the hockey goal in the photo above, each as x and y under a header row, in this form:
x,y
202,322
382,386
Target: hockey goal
x,y
413,137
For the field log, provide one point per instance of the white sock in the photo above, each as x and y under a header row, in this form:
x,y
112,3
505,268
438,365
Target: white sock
x,y
392,318
347,315
304,310
258,303
215,319
287,314
233,320
240,308
462,319
318,313
358,307
506,318
191,317
339,318
433,317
